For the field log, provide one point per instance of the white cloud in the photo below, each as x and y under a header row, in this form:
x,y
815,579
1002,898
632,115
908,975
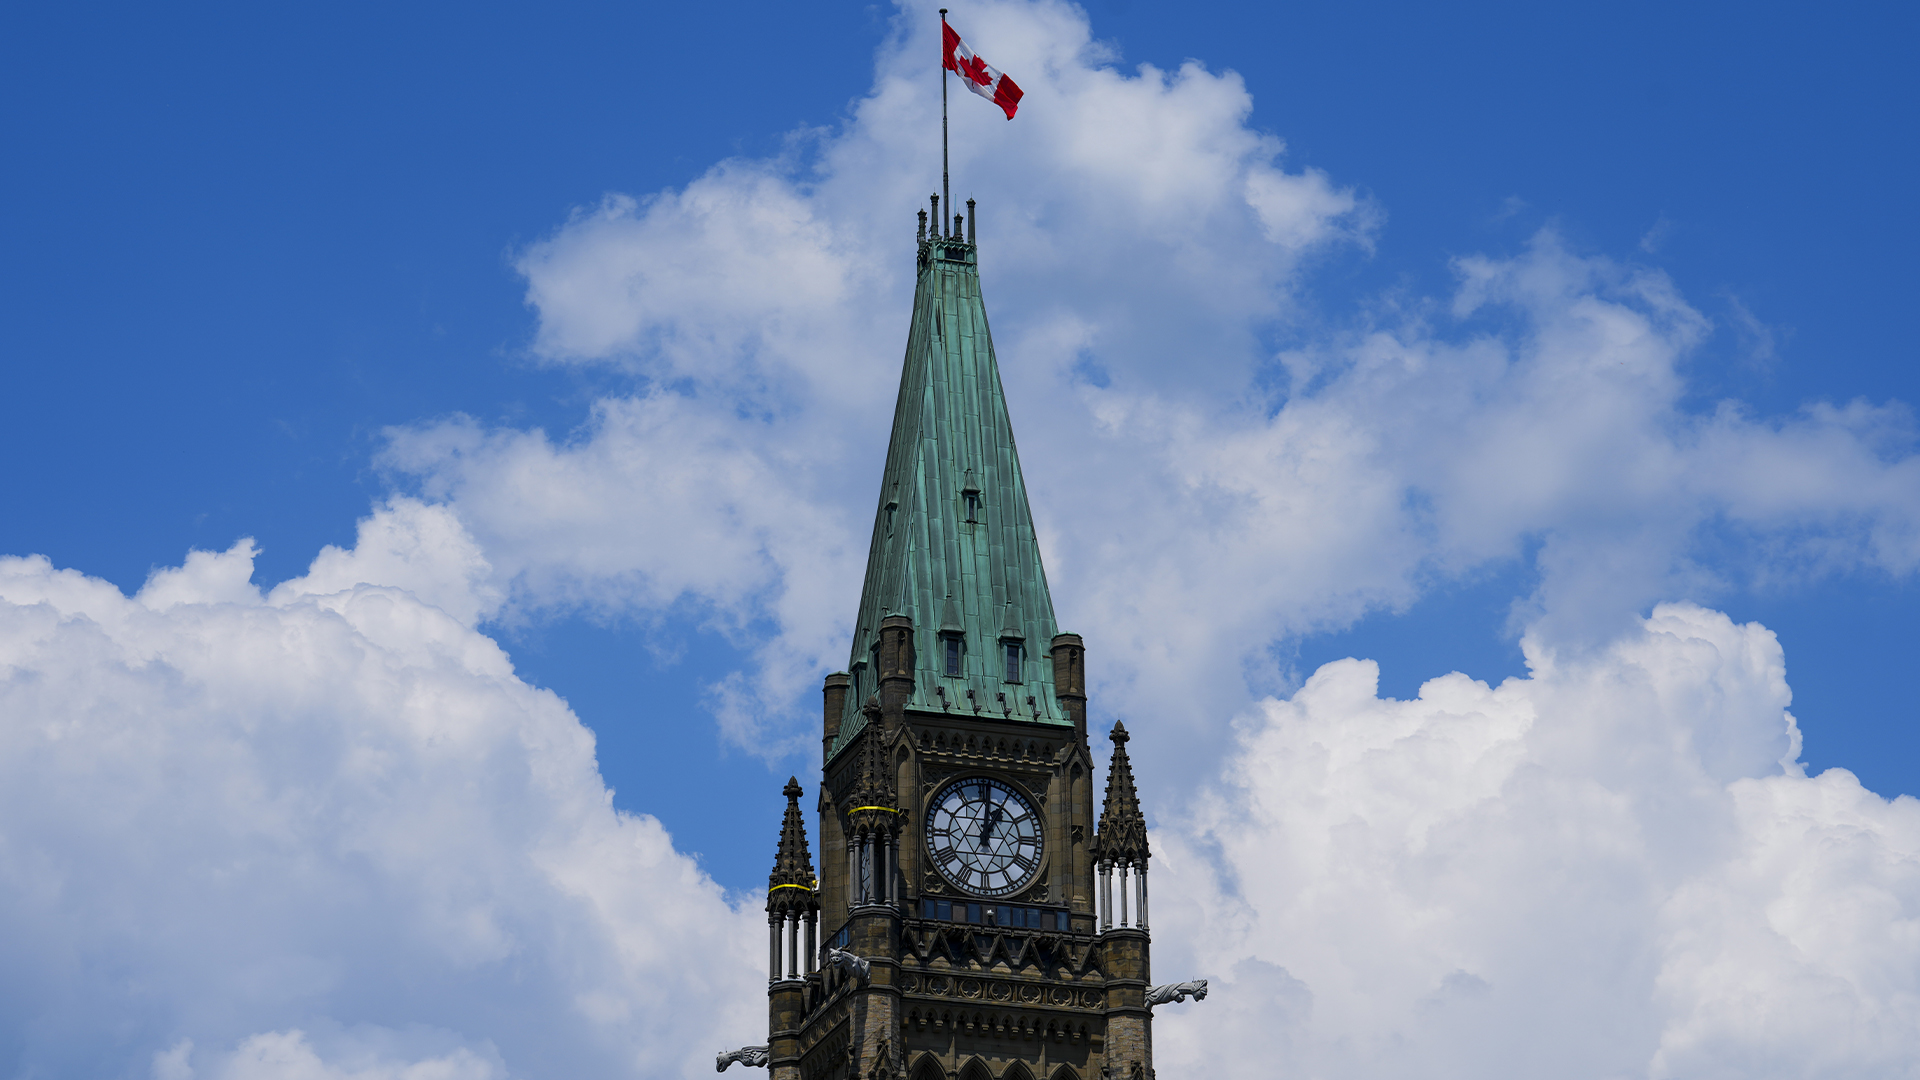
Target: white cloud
x,y
358,1055
326,832
1600,870
764,314
240,821
663,499
407,544
1587,872
1198,496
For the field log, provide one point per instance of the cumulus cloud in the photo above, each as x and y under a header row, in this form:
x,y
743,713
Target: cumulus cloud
x,y
328,833
1611,867
292,1055
761,310
1200,494
325,831
406,544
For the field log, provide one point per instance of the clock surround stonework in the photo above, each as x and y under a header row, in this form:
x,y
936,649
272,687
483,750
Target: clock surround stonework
x,y
958,671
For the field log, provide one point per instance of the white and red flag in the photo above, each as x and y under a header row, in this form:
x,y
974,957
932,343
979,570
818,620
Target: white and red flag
x,y
980,78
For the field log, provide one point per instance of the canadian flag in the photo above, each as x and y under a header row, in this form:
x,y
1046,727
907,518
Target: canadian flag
x,y
980,78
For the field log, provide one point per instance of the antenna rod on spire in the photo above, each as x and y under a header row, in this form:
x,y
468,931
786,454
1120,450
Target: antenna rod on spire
x,y
946,187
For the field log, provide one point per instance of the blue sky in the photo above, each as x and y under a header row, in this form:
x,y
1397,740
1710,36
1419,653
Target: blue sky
x,y
262,262
246,242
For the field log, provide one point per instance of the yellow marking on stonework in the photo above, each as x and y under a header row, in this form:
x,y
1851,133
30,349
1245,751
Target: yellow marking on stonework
x,y
779,887
888,809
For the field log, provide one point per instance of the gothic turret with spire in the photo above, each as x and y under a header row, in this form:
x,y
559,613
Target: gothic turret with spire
x,y
793,914
1122,839
1119,853
791,882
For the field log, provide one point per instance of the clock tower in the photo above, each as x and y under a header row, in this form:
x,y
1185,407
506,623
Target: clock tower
x,y
971,919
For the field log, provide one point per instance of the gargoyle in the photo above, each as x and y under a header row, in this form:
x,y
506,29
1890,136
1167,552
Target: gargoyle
x,y
849,964
746,1055
1161,995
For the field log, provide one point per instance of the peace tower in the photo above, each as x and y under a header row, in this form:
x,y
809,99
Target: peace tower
x,y
971,919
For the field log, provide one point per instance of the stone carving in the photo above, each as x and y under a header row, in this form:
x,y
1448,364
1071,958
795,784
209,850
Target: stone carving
x,y
849,964
937,985
747,1055
1175,992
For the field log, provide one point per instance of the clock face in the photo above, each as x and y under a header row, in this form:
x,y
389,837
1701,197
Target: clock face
x,y
984,836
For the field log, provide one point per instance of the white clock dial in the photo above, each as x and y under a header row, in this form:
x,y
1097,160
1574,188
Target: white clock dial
x,y
984,836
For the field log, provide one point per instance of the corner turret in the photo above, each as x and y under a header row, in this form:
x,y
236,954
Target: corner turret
x,y
1121,842
1118,848
792,903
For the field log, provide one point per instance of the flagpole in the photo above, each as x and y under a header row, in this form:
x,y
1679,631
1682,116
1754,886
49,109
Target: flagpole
x,y
946,186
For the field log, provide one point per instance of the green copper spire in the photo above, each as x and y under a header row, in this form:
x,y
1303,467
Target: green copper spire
x,y
953,544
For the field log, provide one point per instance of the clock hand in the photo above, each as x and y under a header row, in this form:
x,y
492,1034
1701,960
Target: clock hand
x,y
987,823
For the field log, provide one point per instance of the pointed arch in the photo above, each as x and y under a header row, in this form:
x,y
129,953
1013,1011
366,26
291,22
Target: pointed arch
x,y
927,1068
1017,1071
1064,1072
975,1069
